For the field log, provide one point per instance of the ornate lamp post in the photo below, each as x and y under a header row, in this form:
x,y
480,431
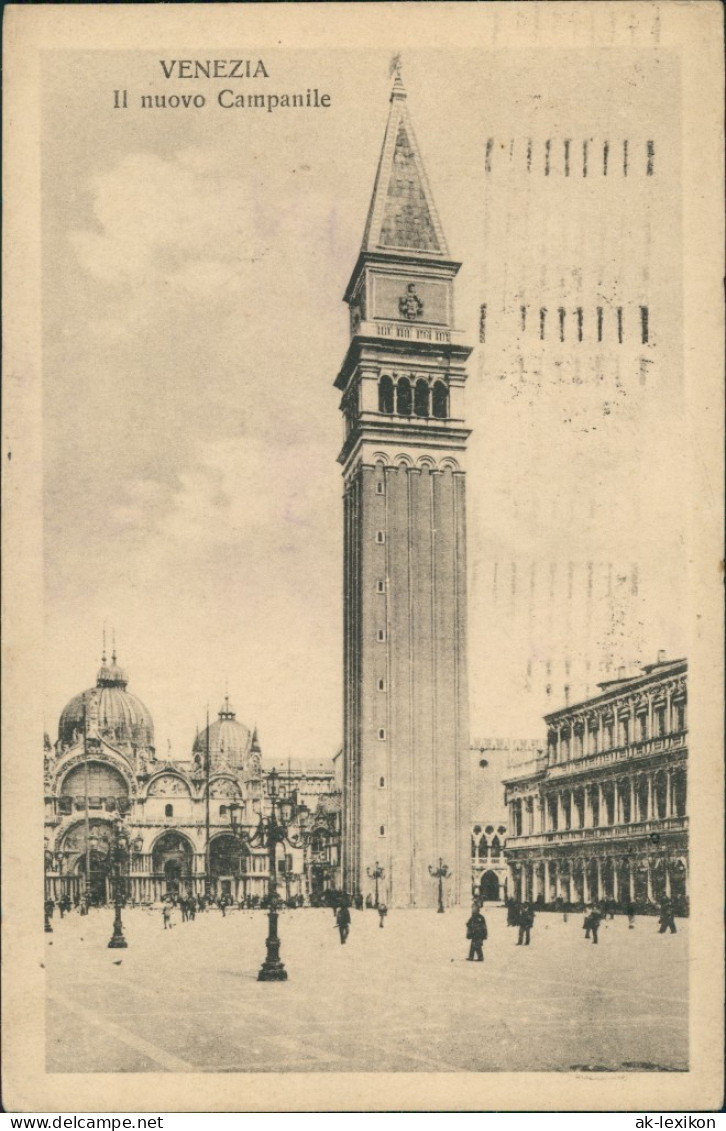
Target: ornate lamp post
x,y
376,875
272,829
119,850
440,874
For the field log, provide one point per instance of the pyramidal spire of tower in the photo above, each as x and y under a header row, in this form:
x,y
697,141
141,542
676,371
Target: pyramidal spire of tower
x,y
402,216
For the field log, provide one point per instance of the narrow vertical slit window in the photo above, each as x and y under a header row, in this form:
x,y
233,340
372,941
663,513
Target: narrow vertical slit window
x,y
542,319
381,783
651,158
625,158
584,158
620,324
561,313
605,152
381,635
382,733
381,587
381,685
567,157
483,322
380,487
529,155
599,323
547,158
578,312
488,155
523,317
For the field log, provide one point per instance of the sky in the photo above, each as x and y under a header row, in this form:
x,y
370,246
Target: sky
x,y
194,263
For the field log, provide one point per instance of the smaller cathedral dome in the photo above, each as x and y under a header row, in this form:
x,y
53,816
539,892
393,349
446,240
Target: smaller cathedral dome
x,y
228,740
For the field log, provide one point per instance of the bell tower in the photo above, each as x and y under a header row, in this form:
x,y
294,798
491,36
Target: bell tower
x,y
406,739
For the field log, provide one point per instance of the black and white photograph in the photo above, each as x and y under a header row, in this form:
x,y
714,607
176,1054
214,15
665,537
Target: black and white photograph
x,y
362,450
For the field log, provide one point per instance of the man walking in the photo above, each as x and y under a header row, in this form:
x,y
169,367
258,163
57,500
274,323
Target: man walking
x,y
382,912
666,920
592,923
526,922
476,932
342,918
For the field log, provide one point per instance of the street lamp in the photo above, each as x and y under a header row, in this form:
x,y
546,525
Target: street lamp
x,y
119,851
440,874
271,830
376,875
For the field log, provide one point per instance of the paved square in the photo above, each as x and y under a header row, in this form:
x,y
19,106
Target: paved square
x,y
399,999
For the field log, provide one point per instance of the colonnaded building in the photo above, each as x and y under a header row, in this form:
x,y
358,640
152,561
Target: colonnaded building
x,y
405,740
602,815
177,812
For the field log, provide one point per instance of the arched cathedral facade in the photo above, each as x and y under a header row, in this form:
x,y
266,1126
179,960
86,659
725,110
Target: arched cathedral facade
x,y
177,812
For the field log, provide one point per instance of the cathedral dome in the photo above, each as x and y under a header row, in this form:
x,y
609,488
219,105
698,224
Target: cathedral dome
x,y
229,741
108,709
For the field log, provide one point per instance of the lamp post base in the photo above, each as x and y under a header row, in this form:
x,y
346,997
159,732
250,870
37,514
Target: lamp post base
x,y
48,928
272,969
272,972
117,938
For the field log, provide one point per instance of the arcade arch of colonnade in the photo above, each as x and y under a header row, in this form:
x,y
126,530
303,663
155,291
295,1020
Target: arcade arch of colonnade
x,y
602,813
641,879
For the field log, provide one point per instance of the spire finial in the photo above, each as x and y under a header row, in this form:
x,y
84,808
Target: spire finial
x,y
103,650
395,69
113,645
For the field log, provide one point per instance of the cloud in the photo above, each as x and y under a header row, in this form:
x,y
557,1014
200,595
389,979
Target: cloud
x,y
156,218
234,493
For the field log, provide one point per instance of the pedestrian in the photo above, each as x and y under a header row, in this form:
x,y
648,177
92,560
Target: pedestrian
x,y
511,912
166,916
525,922
342,919
223,907
666,920
382,912
586,922
592,923
630,912
476,932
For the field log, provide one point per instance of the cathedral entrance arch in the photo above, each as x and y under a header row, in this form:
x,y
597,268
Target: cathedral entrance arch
x,y
87,852
226,865
171,859
172,877
489,887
